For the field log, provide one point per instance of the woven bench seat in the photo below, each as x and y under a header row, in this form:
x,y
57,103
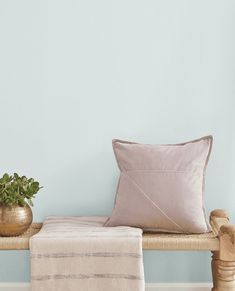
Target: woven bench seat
x,y
20,242
151,241
162,241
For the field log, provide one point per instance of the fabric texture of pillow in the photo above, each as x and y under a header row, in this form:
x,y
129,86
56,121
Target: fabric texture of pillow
x,y
161,187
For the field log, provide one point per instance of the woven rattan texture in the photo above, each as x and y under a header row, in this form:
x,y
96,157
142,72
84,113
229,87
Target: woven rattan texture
x,y
20,242
151,241
165,241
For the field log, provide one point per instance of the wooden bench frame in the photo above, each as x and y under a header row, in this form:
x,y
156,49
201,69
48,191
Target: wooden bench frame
x,y
223,260
221,242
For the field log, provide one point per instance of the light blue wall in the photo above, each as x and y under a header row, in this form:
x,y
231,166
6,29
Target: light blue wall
x,y
75,74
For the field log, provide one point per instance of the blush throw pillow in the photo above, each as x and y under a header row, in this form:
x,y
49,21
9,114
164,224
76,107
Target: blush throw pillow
x,y
161,187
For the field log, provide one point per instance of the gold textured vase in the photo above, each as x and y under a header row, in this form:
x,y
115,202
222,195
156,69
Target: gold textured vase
x,y
14,219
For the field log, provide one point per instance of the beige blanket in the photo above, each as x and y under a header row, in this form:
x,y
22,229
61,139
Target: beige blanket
x,y
79,254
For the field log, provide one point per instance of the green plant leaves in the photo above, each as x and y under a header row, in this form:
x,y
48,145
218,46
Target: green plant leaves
x,y
5,179
17,190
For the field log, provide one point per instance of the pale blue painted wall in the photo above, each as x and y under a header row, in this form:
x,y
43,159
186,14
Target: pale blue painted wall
x,y
75,74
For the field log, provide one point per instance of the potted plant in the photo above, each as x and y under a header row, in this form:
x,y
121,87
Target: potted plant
x,y
16,194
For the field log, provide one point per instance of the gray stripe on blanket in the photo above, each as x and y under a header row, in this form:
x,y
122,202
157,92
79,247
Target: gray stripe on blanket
x,y
96,254
86,276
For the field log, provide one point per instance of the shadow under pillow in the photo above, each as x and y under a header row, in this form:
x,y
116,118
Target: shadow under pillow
x,y
161,187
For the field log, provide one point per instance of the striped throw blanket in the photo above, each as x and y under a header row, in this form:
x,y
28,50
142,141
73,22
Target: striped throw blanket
x,y
79,254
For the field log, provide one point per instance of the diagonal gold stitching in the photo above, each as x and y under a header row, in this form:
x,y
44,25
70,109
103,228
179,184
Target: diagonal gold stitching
x,y
151,201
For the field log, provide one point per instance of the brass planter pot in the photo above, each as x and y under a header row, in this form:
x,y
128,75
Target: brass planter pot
x,y
15,219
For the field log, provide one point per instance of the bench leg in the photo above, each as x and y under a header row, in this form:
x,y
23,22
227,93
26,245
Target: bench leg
x,y
223,273
214,269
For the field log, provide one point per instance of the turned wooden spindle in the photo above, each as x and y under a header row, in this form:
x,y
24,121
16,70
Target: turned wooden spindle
x,y
223,261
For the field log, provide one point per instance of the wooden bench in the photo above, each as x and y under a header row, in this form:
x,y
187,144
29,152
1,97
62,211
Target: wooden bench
x,y
221,242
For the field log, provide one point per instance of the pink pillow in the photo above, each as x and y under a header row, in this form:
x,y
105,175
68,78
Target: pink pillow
x,y
161,187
